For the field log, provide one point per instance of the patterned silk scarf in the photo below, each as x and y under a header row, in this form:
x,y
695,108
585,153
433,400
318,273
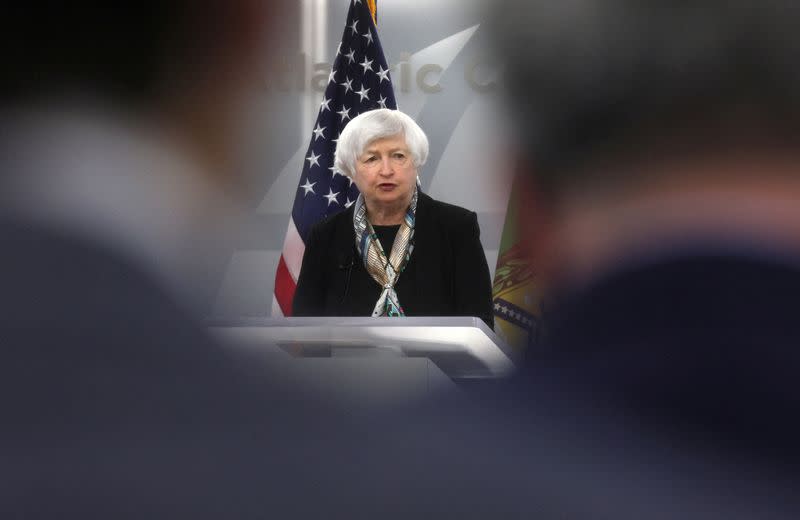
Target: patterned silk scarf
x,y
385,270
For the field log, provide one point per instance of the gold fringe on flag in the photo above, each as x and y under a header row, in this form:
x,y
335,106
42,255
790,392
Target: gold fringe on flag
x,y
373,8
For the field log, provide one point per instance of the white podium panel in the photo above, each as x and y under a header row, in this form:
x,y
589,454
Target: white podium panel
x,y
460,347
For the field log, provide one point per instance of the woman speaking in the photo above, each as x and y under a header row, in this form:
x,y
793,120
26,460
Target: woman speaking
x,y
395,251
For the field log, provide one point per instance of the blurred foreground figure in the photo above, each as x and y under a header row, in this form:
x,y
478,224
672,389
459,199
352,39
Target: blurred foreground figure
x,y
119,132
661,143
118,140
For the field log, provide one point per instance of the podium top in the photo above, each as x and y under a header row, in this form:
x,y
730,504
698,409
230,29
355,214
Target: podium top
x,y
462,347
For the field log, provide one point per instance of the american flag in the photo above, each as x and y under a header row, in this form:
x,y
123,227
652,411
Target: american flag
x,y
359,81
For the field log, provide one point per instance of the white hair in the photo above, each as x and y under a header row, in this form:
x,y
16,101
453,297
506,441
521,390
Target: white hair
x,y
378,124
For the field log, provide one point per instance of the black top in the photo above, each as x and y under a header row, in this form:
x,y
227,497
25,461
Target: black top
x,y
447,274
386,235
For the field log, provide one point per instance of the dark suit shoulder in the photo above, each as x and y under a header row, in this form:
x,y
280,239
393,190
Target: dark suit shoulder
x,y
442,212
445,208
446,214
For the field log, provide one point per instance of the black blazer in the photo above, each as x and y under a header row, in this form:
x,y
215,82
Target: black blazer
x,y
446,276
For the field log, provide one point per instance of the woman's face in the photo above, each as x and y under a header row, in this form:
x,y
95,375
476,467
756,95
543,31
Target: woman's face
x,y
385,172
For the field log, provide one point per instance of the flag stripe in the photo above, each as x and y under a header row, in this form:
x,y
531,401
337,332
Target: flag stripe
x,y
276,308
293,249
284,288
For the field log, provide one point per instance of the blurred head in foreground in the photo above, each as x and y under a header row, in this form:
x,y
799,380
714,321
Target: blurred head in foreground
x,y
187,65
660,160
122,125
646,124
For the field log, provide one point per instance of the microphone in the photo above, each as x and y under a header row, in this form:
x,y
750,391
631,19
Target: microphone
x,y
347,261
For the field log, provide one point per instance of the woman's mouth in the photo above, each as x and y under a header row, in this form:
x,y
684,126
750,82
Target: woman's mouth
x,y
386,186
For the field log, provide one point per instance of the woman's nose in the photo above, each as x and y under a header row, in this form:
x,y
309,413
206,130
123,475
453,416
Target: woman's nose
x,y
386,167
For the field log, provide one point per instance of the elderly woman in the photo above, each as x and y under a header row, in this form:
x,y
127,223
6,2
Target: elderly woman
x,y
396,251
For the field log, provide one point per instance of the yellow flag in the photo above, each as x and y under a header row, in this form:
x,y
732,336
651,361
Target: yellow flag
x,y
516,301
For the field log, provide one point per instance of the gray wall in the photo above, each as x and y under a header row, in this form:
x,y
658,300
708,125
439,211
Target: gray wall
x,y
441,77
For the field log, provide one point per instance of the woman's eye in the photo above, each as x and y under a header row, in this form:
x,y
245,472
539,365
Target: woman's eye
x,y
399,156
371,159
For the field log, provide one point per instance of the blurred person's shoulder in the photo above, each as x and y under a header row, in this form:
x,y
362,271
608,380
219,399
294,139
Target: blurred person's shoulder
x,y
76,315
62,288
450,216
